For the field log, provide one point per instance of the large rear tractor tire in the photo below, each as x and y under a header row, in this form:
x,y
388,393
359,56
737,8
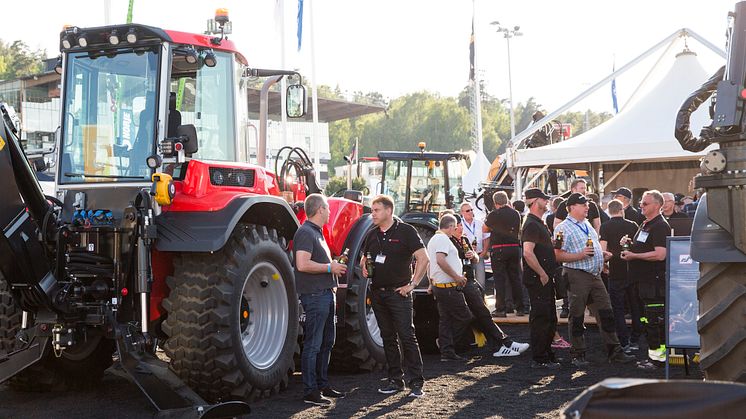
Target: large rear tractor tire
x,y
426,317
79,367
359,345
721,292
233,317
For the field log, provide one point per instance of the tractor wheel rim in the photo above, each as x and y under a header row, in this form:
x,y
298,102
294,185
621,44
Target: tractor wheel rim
x,y
372,323
263,335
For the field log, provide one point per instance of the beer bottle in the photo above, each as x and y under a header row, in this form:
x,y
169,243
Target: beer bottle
x,y
474,245
465,246
625,246
559,238
589,244
369,264
345,258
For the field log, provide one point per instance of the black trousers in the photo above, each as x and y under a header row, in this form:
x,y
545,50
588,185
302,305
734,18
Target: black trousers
x,y
506,267
623,291
455,318
482,317
654,322
542,321
395,320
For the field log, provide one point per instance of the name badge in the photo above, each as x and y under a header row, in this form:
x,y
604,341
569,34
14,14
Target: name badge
x,y
380,258
642,237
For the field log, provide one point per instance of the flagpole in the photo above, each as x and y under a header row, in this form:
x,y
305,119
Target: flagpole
x,y
283,81
477,89
315,103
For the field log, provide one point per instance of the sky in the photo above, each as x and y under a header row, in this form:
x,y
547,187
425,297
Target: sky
x,y
406,46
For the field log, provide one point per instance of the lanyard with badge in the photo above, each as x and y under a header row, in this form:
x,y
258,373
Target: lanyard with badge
x,y
642,236
381,256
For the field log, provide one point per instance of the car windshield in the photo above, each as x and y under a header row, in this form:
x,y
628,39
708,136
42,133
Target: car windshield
x,y
109,116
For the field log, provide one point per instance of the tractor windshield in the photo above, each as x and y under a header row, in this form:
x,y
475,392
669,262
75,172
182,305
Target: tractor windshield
x,y
109,116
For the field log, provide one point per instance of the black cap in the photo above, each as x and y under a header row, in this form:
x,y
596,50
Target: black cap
x,y
679,198
622,191
575,199
535,193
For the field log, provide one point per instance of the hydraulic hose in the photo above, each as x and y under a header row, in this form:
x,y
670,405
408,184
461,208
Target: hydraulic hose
x,y
682,131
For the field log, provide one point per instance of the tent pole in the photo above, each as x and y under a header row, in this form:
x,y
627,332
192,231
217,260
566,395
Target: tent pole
x,y
644,79
614,176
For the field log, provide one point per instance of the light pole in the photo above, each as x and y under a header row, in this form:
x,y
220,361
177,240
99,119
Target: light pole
x,y
507,34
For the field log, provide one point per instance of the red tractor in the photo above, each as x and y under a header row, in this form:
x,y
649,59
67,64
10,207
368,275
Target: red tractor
x,y
158,237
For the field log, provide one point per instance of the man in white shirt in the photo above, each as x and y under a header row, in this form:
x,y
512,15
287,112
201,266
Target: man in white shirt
x,y
446,279
473,231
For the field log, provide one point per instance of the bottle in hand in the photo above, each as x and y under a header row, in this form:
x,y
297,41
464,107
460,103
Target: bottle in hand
x,y
589,244
345,258
558,239
625,246
467,249
369,266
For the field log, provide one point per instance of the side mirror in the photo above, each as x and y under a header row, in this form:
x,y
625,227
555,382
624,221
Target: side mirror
x,y
296,101
187,134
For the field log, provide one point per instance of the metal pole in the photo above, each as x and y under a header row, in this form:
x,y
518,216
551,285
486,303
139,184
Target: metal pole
x,y
510,91
261,148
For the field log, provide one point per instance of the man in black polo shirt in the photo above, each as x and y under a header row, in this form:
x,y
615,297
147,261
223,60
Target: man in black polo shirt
x,y
631,213
539,264
647,261
622,287
315,283
391,244
594,213
504,224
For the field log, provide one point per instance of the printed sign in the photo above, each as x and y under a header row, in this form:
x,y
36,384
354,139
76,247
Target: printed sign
x,y
682,308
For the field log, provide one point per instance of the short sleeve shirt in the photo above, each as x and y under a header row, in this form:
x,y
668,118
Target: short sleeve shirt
x,y
473,231
535,231
441,243
651,234
576,234
592,211
504,224
612,232
397,245
309,238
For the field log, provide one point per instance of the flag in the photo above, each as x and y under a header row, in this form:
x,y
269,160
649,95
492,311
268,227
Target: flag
x,y
471,51
300,22
613,90
353,154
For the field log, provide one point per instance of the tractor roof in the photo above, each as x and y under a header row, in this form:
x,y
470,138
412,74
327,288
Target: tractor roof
x,y
416,155
98,37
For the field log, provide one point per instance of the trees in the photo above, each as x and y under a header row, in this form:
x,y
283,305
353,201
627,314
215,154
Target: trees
x,y
18,60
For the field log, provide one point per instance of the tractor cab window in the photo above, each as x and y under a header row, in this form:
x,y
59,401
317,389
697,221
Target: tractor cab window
x,y
395,183
109,116
456,171
427,186
203,96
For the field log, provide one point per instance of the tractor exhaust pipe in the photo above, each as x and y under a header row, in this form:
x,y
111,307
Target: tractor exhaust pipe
x,y
261,146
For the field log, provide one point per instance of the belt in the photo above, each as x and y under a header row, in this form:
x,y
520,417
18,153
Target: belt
x,y
446,285
497,246
393,288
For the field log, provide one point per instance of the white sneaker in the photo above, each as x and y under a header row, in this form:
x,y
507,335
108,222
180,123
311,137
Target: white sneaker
x,y
505,351
519,347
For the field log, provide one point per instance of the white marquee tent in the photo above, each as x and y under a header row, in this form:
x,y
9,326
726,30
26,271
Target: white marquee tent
x,y
642,132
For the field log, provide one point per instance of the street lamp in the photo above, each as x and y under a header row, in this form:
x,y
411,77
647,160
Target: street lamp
x,y
507,34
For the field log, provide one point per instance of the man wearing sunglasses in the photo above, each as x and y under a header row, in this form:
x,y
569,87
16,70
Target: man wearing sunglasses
x,y
647,261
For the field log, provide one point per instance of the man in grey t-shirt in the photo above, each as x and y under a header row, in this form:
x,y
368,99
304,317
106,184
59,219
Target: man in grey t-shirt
x,y
315,282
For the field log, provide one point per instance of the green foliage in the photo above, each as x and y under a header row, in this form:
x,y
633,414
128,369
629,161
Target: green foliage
x,y
338,183
444,123
18,60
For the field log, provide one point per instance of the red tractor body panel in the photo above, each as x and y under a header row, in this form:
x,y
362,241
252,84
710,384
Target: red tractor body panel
x,y
196,192
344,213
205,41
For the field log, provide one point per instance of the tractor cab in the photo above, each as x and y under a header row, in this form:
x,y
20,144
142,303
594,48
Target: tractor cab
x,y
423,183
138,98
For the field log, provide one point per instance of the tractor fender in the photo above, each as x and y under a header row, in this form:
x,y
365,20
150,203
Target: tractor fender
x,y
710,241
354,241
209,231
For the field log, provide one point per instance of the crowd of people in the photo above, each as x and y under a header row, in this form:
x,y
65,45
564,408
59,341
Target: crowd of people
x,y
608,260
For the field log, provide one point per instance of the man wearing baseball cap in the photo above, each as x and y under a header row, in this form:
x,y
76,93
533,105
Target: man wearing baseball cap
x,y
583,260
625,195
539,264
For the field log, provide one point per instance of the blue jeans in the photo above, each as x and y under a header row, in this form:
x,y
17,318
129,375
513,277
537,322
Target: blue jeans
x,y
318,339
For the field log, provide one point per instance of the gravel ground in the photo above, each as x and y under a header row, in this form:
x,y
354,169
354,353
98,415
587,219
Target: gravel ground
x,y
482,387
